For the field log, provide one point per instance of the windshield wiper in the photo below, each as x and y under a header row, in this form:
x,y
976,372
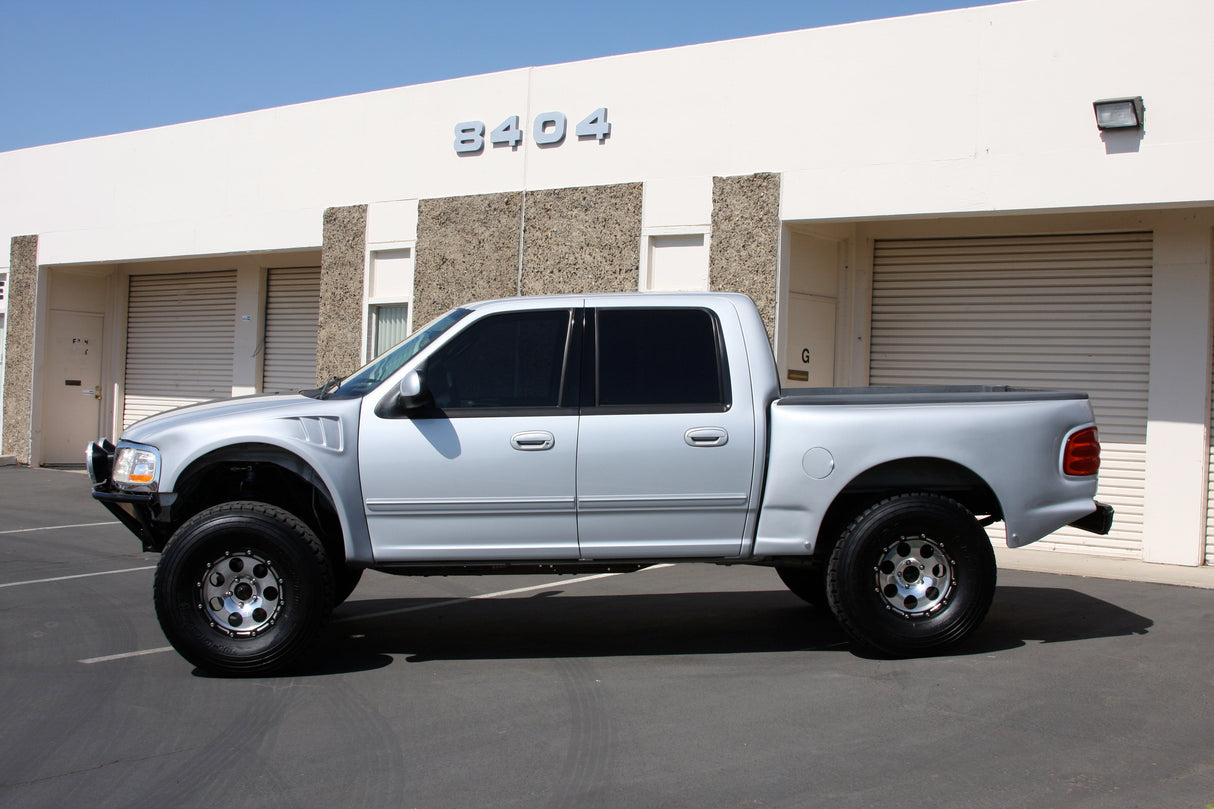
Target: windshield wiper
x,y
324,390
333,384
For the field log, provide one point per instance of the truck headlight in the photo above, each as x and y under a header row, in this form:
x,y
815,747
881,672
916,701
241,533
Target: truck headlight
x,y
136,468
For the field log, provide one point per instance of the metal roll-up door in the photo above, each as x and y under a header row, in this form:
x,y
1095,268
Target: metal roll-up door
x,y
1210,496
1065,312
180,340
292,317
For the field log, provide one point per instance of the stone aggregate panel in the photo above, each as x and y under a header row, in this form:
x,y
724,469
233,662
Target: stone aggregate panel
x,y
342,257
745,249
22,293
583,239
467,250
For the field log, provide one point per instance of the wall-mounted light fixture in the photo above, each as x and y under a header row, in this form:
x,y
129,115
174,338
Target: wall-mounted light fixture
x,y
1119,113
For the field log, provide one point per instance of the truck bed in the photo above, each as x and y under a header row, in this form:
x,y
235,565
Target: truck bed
x,y
921,394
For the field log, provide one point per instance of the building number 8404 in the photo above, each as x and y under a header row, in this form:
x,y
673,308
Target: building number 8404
x,y
548,129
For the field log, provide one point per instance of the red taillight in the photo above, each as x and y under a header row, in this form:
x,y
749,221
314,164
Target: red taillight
x,y
1082,453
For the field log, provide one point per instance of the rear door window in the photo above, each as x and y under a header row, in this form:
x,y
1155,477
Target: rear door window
x,y
660,360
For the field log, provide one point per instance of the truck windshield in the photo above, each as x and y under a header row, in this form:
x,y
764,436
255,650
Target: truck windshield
x,y
373,373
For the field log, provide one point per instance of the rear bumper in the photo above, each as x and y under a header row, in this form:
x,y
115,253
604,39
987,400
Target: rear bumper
x,y
1099,521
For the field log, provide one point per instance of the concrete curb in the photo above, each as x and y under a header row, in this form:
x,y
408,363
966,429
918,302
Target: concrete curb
x,y
1076,564
8,460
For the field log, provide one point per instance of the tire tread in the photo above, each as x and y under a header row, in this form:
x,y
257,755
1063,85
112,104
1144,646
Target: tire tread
x,y
168,580
846,605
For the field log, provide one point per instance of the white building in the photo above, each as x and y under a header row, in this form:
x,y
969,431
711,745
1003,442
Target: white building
x,y
917,200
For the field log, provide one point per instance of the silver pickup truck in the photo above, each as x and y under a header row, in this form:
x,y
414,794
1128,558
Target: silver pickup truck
x,y
592,433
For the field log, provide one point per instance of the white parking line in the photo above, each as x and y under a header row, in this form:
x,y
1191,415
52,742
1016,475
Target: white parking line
x,y
428,606
58,527
77,576
89,660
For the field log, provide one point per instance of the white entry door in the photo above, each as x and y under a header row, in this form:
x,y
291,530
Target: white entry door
x,y
72,392
810,356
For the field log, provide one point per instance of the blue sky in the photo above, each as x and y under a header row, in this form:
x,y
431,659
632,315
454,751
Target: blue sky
x,y
74,69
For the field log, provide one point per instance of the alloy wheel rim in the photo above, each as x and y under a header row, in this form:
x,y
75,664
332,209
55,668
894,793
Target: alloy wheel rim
x,y
240,593
914,577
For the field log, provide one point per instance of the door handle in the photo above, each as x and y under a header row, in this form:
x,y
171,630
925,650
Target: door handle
x,y
706,437
533,442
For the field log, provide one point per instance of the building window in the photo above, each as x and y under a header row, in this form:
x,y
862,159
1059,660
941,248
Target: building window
x,y
389,297
389,324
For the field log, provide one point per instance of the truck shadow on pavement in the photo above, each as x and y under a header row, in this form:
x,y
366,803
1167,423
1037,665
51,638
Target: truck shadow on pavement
x,y
554,625
1050,615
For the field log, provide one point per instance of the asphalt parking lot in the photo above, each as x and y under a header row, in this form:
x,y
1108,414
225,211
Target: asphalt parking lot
x,y
681,686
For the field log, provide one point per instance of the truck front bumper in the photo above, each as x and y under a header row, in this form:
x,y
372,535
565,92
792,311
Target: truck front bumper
x,y
135,510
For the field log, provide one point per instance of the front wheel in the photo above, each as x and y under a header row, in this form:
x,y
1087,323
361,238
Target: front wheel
x,y
242,588
912,574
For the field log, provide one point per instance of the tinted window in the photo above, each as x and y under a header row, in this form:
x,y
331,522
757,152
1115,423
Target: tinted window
x,y
504,361
650,357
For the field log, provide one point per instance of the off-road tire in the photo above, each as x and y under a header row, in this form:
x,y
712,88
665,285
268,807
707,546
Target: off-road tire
x,y
911,575
243,588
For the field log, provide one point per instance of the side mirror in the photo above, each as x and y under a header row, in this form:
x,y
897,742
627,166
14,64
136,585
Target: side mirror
x,y
413,393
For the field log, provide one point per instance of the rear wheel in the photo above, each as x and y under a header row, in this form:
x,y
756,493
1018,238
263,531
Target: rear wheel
x,y
912,574
243,588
